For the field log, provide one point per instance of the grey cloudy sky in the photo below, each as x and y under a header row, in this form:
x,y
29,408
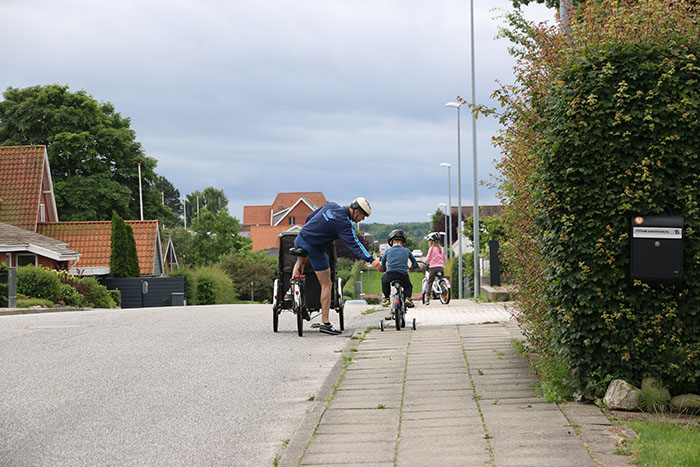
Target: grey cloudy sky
x,y
255,97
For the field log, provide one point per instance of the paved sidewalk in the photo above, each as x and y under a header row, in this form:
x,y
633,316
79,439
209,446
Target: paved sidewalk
x,y
445,395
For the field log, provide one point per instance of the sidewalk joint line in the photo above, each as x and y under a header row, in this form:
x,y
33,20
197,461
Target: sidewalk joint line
x,y
403,397
346,362
476,398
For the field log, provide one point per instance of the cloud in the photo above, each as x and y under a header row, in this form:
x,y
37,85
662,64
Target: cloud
x,y
341,96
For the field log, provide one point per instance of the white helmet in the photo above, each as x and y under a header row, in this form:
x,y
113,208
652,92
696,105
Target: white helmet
x,y
363,205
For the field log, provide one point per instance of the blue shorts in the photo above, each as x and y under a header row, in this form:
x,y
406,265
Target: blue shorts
x,y
319,259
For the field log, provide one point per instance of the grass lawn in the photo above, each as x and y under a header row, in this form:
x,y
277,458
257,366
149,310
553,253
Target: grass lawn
x,y
372,282
665,444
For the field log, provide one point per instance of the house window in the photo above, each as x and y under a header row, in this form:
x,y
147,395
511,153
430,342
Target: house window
x,y
292,221
42,212
24,260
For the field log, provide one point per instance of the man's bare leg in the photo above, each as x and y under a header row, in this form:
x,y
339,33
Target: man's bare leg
x,y
324,278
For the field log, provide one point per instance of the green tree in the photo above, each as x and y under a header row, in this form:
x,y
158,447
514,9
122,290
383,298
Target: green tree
x,y
132,255
123,259
214,237
119,249
92,150
244,267
211,198
171,199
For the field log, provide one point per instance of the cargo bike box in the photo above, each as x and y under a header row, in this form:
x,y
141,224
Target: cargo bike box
x,y
305,302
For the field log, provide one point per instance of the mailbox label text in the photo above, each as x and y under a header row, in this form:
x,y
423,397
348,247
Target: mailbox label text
x,y
657,232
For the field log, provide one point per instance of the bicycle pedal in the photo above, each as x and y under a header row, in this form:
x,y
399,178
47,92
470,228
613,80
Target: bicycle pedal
x,y
315,325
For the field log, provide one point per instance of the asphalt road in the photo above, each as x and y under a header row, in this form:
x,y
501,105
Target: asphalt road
x,y
210,385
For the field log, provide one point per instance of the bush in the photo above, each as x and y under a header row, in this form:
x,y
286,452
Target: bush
x,y
96,294
70,296
349,287
606,127
38,282
452,268
27,302
214,286
206,289
190,283
246,267
116,295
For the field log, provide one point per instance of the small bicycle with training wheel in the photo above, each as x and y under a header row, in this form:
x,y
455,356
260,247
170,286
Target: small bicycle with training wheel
x,y
305,300
441,288
397,302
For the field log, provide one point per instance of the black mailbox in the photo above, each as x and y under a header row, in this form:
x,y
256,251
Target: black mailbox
x,y
657,249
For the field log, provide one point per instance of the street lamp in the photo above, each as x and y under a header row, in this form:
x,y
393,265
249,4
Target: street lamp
x,y
449,204
444,206
459,203
477,273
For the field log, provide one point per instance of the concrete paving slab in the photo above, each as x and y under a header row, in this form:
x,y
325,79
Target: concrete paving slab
x,y
437,420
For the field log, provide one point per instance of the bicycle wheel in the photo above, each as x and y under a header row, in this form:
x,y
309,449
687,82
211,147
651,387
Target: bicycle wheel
x,y
423,297
444,293
275,305
299,308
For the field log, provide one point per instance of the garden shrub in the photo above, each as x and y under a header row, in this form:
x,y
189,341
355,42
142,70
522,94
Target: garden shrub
x,y
116,295
349,287
214,286
38,282
96,294
604,125
206,289
27,302
244,267
70,296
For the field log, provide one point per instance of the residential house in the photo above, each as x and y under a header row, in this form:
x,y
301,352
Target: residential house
x,y
93,240
27,202
19,247
264,224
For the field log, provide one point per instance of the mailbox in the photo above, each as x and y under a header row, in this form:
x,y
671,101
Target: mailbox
x,y
657,249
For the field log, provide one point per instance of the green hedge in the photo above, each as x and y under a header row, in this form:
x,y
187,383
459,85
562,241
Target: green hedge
x,y
190,283
214,286
625,141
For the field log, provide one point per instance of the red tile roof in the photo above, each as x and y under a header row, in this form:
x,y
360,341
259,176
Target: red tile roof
x,y
25,184
92,240
285,200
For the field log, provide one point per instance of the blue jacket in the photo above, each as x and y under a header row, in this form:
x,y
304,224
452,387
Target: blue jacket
x,y
396,258
329,223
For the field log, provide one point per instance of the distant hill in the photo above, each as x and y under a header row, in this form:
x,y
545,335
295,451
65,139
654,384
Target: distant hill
x,y
416,230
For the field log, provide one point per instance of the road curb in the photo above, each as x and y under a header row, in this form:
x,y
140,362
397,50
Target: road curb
x,y
306,429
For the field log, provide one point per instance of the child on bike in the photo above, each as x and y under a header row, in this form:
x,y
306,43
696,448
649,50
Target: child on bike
x,y
395,263
436,261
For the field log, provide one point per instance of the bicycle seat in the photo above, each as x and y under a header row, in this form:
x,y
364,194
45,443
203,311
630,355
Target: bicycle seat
x,y
294,251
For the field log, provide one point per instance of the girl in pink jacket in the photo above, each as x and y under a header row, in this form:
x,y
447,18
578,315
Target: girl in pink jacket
x,y
436,261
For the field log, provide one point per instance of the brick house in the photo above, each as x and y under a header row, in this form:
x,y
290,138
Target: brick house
x,y
27,203
264,224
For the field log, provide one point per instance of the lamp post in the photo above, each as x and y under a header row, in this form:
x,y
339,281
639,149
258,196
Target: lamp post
x,y
477,273
449,204
459,203
444,206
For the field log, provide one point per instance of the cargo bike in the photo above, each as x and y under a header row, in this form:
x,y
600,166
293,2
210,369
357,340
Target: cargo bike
x,y
305,301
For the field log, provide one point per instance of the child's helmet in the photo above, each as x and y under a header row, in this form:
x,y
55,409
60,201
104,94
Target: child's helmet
x,y
363,205
396,234
434,236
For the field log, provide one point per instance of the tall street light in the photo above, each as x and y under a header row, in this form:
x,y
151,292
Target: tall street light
x,y
459,203
477,273
444,206
449,204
